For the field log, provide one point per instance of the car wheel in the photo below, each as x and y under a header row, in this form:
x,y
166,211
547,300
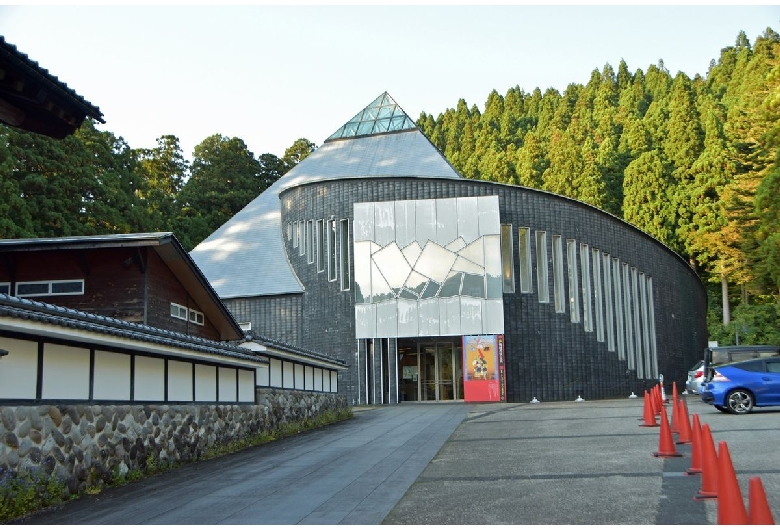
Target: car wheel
x,y
722,409
739,401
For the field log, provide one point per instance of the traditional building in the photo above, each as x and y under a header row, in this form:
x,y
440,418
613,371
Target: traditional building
x,y
432,286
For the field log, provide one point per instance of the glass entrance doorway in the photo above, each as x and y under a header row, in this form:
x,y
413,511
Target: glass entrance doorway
x,y
430,371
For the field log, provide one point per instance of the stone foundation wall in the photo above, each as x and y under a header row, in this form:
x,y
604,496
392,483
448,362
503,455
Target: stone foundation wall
x,y
89,444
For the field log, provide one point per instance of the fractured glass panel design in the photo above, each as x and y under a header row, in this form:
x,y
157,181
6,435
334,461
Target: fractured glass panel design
x,y
383,115
419,253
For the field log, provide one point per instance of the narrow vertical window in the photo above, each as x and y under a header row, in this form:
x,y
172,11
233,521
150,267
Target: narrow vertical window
x,y
587,314
524,255
331,250
507,261
609,321
574,283
651,311
598,298
321,245
344,256
310,241
627,319
541,267
301,238
640,357
645,324
559,291
289,231
620,330
296,233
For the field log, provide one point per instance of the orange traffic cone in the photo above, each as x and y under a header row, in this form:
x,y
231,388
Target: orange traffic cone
x,y
731,509
666,444
709,468
656,398
684,432
695,468
675,417
649,417
758,511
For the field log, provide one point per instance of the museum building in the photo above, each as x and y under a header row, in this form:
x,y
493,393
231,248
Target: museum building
x,y
434,287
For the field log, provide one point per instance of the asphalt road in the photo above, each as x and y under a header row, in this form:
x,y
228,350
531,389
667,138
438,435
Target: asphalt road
x,y
573,463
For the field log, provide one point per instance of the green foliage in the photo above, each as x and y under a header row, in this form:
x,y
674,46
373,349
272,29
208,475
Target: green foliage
x,y
21,494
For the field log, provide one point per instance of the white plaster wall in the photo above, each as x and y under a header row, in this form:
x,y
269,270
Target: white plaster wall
x,y
227,384
149,379
276,372
112,376
299,376
334,382
205,383
309,378
65,372
263,375
179,381
318,379
287,379
326,381
246,386
18,369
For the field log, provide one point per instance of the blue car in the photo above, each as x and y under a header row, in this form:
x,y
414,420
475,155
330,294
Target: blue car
x,y
738,387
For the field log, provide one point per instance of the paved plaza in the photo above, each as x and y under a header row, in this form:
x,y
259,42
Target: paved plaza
x,y
575,463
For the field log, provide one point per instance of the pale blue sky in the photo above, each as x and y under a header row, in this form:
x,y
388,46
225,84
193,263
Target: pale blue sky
x,y
270,75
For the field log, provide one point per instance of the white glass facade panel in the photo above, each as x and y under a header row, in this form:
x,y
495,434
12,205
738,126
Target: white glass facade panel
x,y
468,219
387,319
421,267
489,220
449,316
393,265
405,223
384,222
470,316
425,219
446,221
492,317
429,317
408,318
363,222
365,320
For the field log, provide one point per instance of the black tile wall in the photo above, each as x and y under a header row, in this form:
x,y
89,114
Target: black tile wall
x,y
548,357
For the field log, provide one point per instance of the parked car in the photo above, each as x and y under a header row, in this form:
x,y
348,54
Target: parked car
x,y
695,378
717,355
738,387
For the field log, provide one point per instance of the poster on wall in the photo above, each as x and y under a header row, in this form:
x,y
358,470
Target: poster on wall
x,y
484,368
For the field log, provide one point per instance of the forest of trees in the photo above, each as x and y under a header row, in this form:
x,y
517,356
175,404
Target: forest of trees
x,y
694,162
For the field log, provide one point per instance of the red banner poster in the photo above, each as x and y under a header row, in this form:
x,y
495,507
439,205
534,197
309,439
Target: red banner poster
x,y
483,368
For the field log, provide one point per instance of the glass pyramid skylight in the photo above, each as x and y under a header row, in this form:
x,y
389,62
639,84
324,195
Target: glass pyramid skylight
x,y
382,116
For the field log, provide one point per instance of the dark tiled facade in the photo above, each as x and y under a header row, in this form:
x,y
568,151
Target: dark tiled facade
x,y
547,356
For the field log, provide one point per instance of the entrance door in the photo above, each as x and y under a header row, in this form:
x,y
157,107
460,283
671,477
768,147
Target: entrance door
x,y
440,371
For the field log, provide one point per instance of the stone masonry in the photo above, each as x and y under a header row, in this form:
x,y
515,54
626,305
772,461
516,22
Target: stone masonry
x,y
87,444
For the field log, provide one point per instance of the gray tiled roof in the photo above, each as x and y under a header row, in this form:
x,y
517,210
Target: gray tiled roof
x,y
246,256
35,311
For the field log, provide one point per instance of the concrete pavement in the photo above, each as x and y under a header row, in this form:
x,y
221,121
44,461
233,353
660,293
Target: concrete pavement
x,y
453,463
